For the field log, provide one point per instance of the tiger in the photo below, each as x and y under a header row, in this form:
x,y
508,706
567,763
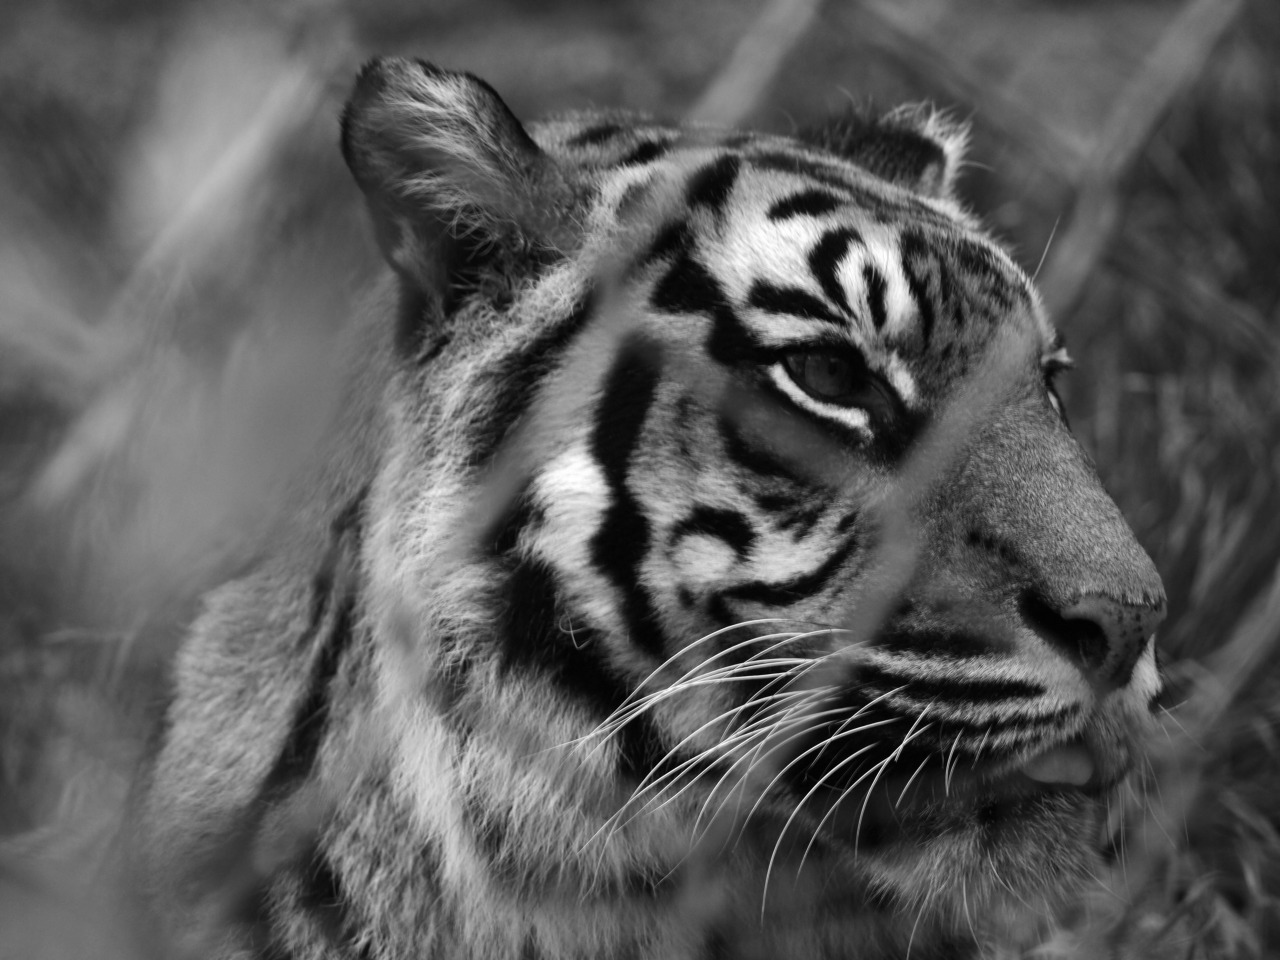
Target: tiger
x,y
702,566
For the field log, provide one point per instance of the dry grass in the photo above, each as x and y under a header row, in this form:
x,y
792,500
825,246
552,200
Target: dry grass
x,y
176,259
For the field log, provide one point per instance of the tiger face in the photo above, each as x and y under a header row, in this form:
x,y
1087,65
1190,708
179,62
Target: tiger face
x,y
728,485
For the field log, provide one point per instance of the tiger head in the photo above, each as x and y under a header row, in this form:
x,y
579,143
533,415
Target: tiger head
x,y
729,475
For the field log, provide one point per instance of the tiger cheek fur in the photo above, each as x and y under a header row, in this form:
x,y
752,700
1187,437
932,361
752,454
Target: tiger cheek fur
x,y
595,652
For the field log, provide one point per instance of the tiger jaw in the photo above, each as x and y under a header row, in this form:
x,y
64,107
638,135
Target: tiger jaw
x,y
894,795
901,817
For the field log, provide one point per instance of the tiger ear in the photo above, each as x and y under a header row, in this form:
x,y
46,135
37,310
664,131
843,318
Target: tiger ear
x,y
452,180
914,146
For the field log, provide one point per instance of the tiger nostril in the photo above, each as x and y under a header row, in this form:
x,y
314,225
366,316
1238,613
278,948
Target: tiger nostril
x,y
1103,637
1082,640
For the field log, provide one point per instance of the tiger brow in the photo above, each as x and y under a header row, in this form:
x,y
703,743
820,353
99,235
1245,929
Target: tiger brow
x,y
792,301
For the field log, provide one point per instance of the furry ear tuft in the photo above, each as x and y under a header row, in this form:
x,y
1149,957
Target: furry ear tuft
x,y
914,146
444,164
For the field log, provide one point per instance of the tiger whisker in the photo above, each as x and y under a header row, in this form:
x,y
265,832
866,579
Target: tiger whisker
x,y
912,733
910,780
834,806
839,734
866,797
630,710
949,768
634,705
653,785
805,799
924,904
757,700
766,740
766,729
804,697
1173,718
964,903
715,634
764,896
890,759
977,756
780,639
752,731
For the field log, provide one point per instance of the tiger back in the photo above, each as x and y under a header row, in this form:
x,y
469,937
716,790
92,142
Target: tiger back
x,y
717,575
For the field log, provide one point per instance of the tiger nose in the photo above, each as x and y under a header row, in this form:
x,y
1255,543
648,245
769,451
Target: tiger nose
x,y
1103,636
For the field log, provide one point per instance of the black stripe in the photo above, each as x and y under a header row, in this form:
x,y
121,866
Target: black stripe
x,y
957,644
916,259
531,639
417,331
857,696
932,749
789,300
803,519
960,690
504,531
321,895
838,178
227,865
978,263
712,186
530,636
509,865
673,240
621,543
777,502
513,380
806,203
786,592
645,152
758,460
877,290
730,526
298,757
688,287
716,946
332,590
594,136
632,198
883,206
804,166
825,258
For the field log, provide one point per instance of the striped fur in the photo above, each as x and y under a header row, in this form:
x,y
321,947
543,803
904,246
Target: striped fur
x,y
722,580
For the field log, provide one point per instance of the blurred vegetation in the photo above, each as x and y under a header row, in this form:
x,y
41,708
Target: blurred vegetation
x,y
180,249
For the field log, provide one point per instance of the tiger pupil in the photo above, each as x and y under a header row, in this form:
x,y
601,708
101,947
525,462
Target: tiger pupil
x,y
826,375
832,374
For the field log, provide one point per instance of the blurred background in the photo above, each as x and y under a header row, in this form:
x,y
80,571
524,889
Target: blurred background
x,y
180,248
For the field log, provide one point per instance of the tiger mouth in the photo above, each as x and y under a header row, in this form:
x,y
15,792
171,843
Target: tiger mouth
x,y
1065,776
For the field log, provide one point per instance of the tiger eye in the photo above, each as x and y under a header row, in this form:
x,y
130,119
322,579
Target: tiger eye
x,y
825,375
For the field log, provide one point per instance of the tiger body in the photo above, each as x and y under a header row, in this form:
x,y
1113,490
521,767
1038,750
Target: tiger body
x,y
599,649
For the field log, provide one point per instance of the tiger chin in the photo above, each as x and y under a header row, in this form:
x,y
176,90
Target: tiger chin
x,y
702,567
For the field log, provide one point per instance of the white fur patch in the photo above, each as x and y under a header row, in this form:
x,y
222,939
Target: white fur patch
x,y
701,559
